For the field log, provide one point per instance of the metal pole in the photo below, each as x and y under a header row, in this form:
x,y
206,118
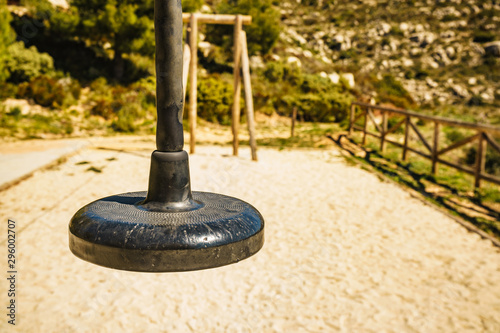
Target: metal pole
x,y
169,91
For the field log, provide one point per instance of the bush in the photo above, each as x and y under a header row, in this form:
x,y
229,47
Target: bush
x,y
48,92
391,90
262,34
191,6
215,99
7,37
492,164
24,64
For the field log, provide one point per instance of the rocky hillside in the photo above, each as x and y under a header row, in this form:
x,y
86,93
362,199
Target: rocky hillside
x,y
443,52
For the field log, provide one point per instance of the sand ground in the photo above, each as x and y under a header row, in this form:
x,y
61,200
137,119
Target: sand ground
x,y
344,252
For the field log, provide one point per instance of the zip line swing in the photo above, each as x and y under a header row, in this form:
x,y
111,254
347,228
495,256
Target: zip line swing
x,y
169,228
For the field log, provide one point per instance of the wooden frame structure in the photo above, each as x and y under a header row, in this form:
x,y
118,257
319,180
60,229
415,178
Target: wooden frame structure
x,y
240,53
483,137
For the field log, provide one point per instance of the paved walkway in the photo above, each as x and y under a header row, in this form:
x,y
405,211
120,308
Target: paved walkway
x,y
20,159
344,252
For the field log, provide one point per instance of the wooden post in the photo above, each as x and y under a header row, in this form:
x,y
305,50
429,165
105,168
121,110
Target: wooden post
x,y
351,119
235,119
384,130
186,55
193,43
435,148
247,84
407,134
480,159
365,127
294,119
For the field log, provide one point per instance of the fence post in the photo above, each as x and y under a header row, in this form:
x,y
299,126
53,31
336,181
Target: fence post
x,y
365,126
435,147
384,130
407,134
294,119
351,119
193,43
237,83
480,159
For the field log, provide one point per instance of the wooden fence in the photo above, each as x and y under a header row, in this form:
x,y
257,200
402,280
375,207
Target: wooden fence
x,y
483,136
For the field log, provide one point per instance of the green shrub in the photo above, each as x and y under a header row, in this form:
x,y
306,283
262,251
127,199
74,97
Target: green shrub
x,y
454,135
24,64
7,90
48,92
7,37
262,34
126,120
215,99
391,90
492,163
191,6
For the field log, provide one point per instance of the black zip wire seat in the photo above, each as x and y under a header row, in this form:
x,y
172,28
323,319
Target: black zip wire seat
x,y
168,228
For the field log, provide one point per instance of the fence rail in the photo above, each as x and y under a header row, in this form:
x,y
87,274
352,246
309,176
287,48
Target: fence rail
x,y
484,136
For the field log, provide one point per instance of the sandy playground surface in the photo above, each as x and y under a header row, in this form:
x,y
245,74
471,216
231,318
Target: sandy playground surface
x,y
344,252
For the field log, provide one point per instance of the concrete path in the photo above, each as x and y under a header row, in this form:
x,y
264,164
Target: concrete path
x,y
20,159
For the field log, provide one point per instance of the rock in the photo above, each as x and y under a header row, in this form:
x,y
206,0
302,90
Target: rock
x,y
256,62
405,27
487,97
334,77
431,83
275,57
384,28
415,52
206,9
493,49
349,77
205,48
450,52
294,61
295,36
460,91
407,62
472,81
307,54
449,34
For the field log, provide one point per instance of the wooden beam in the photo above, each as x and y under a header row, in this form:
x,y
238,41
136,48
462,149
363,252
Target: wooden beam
x,y
193,43
492,142
235,119
395,127
294,118
247,84
372,118
482,127
421,137
217,18
435,147
351,118
458,144
407,134
480,160
383,131
457,166
365,127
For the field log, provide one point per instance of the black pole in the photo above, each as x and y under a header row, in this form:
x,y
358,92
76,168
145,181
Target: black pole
x,y
169,91
169,182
